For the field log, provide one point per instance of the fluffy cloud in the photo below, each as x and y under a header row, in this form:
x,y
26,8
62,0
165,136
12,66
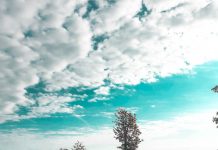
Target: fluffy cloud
x,y
52,41
35,43
109,18
103,91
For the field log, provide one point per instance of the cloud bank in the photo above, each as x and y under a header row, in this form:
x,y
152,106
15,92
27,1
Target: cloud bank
x,y
65,43
190,131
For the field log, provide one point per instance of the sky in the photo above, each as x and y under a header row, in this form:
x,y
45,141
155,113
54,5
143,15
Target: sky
x,y
67,65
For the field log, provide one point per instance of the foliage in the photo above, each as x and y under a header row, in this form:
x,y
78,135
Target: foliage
x,y
215,119
126,130
215,89
78,146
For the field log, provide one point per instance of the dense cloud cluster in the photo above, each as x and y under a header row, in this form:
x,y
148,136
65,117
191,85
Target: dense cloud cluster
x,y
52,41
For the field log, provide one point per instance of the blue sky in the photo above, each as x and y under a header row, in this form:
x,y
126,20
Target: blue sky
x,y
67,66
165,99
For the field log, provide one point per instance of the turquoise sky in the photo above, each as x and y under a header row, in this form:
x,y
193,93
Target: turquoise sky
x,y
66,66
162,100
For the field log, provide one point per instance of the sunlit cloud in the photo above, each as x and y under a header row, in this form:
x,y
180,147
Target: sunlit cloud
x,y
64,57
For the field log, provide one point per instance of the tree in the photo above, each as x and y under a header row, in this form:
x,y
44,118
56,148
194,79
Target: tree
x,y
126,130
215,119
215,89
78,146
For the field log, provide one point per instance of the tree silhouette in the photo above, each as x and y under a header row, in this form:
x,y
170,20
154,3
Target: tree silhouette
x,y
78,146
215,89
215,119
126,130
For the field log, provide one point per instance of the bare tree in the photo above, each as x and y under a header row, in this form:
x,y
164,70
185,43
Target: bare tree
x,y
126,130
78,146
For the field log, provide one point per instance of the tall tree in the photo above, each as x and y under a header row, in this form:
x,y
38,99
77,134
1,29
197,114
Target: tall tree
x,y
126,130
215,119
78,146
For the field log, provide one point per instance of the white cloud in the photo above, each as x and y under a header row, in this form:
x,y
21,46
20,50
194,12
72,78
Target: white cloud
x,y
110,18
103,91
46,105
190,131
49,40
34,45
51,104
105,114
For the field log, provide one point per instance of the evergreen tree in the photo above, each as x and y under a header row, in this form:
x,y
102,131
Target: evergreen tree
x,y
126,130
